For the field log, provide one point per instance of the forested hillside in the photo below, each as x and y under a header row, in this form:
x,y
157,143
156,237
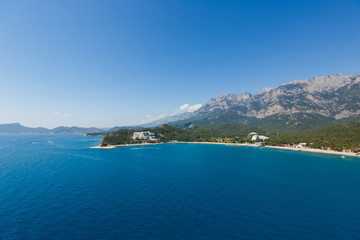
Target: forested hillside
x,y
337,137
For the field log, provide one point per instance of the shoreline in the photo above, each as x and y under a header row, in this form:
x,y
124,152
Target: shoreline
x,y
313,150
122,145
228,144
142,144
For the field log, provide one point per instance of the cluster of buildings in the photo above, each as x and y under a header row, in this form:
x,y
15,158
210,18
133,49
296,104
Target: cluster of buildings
x,y
145,136
353,150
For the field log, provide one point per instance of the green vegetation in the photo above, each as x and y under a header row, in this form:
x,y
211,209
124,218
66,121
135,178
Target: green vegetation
x,y
122,136
203,134
166,133
337,137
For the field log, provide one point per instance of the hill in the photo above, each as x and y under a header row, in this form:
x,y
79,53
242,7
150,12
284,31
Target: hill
x,y
337,137
18,128
167,133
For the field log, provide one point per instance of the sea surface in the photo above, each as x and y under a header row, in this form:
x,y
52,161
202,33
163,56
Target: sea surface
x,y
55,187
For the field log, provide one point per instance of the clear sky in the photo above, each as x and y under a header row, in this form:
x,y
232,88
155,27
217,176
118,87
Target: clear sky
x,y
107,63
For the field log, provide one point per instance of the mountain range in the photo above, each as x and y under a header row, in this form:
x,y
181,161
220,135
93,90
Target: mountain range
x,y
297,105
18,128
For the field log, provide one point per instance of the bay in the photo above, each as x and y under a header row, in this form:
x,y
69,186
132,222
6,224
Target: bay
x,y
55,187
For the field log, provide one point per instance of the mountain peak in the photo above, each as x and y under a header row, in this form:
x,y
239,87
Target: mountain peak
x,y
225,101
331,97
233,96
322,83
265,90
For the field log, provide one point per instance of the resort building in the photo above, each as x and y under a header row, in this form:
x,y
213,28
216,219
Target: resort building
x,y
301,145
259,137
144,136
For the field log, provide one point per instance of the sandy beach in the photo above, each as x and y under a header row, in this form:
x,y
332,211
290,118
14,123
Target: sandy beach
x,y
241,145
139,144
316,151
122,145
228,144
286,148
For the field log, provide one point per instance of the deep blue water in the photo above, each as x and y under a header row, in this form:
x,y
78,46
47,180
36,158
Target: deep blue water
x,y
55,187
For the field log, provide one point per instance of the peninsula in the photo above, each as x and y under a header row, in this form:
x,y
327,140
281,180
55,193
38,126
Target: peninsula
x,y
340,139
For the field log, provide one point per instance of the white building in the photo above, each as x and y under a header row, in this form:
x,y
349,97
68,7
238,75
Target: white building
x,y
144,136
301,145
258,137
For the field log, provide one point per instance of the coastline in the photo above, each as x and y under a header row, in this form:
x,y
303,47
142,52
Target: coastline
x,y
313,150
228,144
142,144
122,145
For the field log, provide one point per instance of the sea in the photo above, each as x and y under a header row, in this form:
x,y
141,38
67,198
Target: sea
x,y
56,187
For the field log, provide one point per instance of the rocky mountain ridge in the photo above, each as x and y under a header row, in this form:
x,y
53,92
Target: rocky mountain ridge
x,y
336,96
318,101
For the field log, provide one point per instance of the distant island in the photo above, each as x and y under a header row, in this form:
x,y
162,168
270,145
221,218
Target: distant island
x,y
18,128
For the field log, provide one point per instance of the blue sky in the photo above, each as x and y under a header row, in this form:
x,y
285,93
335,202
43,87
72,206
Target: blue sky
x,y
107,63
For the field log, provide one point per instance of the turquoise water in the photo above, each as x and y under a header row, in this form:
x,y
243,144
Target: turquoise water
x,y
55,187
